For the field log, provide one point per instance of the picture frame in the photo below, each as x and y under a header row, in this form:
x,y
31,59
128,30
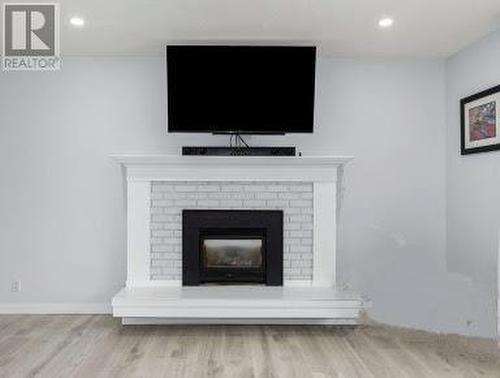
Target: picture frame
x,y
480,121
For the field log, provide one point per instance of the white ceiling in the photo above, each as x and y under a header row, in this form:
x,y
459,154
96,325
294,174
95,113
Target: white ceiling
x,y
345,28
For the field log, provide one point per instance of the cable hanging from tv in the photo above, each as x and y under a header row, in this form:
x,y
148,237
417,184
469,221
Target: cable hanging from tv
x,y
238,145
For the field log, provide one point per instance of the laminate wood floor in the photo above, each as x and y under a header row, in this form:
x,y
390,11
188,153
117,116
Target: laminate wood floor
x,y
98,346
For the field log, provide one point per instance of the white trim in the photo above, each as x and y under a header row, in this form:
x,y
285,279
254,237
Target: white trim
x,y
237,302
231,321
55,308
176,160
138,233
233,173
223,168
324,243
312,310
178,283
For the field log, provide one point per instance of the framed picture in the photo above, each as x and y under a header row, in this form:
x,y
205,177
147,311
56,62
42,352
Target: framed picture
x,y
480,121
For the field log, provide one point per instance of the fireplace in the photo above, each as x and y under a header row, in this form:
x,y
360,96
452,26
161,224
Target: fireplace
x,y
232,246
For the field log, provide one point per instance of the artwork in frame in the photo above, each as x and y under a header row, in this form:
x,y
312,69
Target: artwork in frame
x,y
480,122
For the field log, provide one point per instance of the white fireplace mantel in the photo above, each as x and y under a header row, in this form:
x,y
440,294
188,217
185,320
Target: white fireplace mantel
x,y
224,168
324,172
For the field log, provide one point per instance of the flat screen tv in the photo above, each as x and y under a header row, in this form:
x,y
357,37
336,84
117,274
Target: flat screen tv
x,y
241,89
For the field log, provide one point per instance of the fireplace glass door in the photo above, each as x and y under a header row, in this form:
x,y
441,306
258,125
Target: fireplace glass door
x,y
238,256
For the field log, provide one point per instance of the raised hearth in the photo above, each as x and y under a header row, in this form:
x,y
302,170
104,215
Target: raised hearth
x,y
237,305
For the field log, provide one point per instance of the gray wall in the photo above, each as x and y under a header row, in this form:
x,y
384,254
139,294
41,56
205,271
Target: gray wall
x,y
62,215
473,186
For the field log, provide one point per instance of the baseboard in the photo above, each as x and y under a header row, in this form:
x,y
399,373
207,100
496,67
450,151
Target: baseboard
x,y
55,308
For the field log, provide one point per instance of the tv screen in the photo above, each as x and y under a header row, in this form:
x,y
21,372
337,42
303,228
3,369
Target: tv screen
x,y
241,89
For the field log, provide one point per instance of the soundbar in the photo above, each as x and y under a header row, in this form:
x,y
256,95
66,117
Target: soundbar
x,y
238,151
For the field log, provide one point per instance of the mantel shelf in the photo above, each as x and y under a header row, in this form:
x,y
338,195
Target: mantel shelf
x,y
178,160
228,168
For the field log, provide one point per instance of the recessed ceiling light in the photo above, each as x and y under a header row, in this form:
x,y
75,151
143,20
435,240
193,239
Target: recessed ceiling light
x,y
77,21
385,22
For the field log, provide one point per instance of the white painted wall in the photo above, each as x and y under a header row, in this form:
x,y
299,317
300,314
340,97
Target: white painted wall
x,y
473,186
62,217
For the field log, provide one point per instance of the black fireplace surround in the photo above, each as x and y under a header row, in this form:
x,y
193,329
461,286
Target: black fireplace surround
x,y
232,247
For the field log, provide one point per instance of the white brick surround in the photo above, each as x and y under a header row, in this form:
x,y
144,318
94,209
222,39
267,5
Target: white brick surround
x,y
168,199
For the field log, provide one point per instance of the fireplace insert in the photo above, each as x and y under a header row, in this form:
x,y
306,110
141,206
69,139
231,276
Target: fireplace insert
x,y
232,255
232,246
